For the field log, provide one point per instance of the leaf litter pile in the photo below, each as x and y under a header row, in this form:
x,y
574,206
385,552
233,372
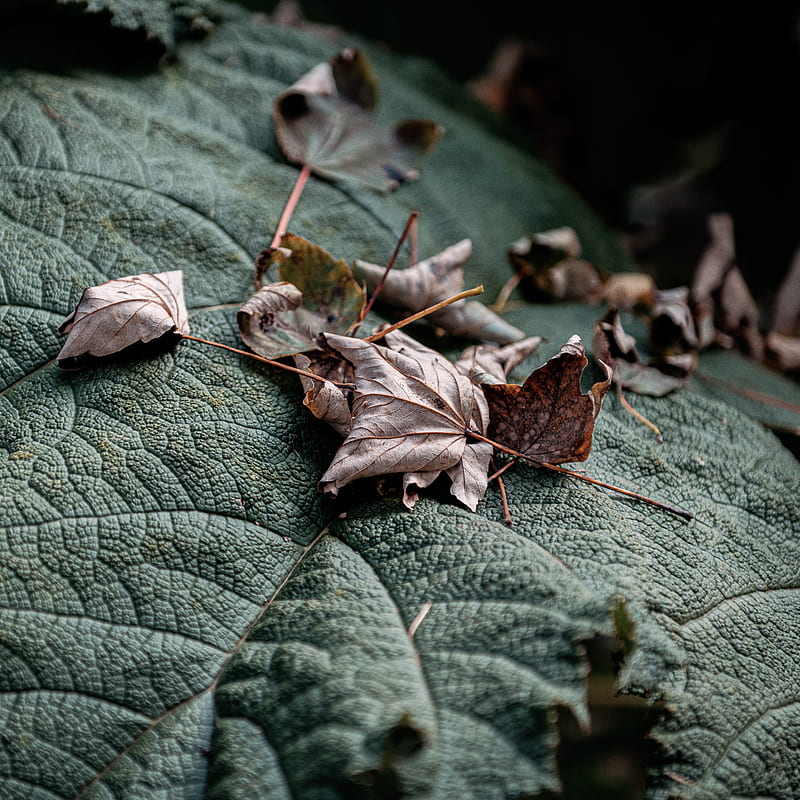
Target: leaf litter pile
x,y
403,408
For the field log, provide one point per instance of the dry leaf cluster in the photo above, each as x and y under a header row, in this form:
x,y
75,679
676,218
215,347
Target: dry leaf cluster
x,y
402,408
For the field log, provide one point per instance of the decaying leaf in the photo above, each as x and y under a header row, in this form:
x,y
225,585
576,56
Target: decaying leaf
x,y
549,266
316,293
488,363
326,399
410,414
548,418
123,312
629,290
324,122
613,346
435,279
723,306
672,325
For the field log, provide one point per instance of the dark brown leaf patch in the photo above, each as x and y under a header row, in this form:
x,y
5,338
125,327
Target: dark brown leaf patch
x,y
548,418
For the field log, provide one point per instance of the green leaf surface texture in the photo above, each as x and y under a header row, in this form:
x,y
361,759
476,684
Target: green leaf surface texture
x,y
182,615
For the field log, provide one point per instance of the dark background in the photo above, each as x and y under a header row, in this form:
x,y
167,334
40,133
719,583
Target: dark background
x,y
627,94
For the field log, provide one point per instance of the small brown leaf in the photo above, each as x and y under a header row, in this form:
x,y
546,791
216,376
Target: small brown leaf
x,y
616,348
123,312
548,418
549,267
324,121
326,400
435,279
411,412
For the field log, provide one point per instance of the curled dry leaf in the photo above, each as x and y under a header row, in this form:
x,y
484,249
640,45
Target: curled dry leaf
x,y
435,279
613,346
124,312
548,418
488,363
326,399
549,266
723,306
324,121
411,411
672,325
317,293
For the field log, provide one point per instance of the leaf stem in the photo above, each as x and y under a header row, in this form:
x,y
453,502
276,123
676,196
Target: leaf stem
x,y
497,476
415,623
631,410
424,313
291,204
546,465
412,218
264,360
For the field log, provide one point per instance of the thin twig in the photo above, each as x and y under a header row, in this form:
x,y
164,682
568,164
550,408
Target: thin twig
x,y
424,313
499,472
415,623
505,292
291,204
631,410
502,487
412,218
269,361
546,465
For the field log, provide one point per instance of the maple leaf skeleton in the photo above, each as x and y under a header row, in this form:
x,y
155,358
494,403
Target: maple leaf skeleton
x,y
412,412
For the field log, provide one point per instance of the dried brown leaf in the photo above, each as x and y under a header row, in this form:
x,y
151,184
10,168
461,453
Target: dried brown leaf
x,y
721,301
326,399
613,346
317,293
548,418
549,267
411,412
433,280
488,363
324,121
123,312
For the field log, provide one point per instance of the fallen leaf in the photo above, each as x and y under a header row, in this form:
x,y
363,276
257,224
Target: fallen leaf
x,y
325,399
324,121
672,323
123,312
411,412
549,267
433,280
548,418
489,363
316,293
723,306
629,290
613,346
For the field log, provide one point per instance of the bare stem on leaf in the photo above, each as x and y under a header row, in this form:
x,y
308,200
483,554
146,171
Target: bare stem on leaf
x,y
424,313
291,204
631,410
497,476
688,515
269,361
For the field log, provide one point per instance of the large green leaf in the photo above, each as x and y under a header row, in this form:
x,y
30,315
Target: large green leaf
x,y
183,615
